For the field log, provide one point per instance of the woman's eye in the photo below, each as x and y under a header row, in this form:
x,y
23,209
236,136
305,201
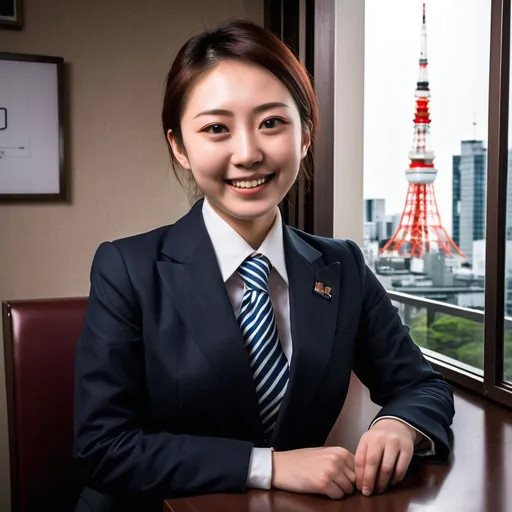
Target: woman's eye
x,y
216,128
272,122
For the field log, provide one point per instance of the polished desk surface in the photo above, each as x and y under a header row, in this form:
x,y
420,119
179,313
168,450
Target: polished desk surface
x,y
477,478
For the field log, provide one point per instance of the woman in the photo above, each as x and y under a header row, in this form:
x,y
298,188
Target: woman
x,y
216,352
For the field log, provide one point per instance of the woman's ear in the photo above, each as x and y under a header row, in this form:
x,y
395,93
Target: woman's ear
x,y
178,150
306,140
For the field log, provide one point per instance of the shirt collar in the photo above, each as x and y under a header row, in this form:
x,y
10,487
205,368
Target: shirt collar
x,y
231,249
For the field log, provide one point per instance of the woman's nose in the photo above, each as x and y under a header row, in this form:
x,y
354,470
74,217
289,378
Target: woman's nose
x,y
246,150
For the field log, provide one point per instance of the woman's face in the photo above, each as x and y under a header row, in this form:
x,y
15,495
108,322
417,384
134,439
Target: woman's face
x,y
243,139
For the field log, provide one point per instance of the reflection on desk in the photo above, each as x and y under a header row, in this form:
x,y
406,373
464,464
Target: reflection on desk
x,y
474,480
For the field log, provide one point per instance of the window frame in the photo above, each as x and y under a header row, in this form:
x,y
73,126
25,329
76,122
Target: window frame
x,y
497,171
320,16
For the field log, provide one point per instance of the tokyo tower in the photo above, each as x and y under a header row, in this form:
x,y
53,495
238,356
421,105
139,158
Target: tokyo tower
x,y
420,230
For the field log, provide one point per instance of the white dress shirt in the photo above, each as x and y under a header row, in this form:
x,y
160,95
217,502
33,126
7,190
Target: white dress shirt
x,y
231,250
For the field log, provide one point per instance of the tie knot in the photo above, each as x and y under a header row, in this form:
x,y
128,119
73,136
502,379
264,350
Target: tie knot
x,y
255,271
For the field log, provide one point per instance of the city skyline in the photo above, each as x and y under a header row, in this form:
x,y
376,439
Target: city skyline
x,y
458,53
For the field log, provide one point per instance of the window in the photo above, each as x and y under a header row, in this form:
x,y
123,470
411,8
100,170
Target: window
x,y
465,333
506,211
425,168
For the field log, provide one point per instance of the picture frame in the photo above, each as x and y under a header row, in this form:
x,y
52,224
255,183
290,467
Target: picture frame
x,y
11,14
32,153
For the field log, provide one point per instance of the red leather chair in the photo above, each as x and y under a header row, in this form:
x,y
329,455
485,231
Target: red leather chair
x,y
39,349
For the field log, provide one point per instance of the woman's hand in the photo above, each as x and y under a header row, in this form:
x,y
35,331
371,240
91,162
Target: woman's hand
x,y
383,455
328,471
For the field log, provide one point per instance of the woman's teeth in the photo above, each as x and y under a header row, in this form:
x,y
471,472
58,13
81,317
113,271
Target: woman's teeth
x,y
249,184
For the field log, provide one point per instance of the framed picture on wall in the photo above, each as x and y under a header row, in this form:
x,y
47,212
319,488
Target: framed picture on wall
x,y
32,156
11,14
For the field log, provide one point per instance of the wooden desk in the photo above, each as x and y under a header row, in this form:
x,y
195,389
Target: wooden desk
x,y
478,478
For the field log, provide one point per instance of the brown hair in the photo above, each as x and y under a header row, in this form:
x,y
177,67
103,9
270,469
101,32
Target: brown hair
x,y
250,43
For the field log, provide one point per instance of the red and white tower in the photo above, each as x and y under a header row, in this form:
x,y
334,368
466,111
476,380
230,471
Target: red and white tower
x,y
420,230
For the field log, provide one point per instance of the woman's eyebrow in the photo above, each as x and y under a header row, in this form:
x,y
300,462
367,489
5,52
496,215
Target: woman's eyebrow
x,y
229,113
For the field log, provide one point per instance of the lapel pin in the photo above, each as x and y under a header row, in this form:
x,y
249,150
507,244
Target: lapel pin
x,y
322,290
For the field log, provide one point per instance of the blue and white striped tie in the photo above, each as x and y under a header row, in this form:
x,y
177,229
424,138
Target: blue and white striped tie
x,y
258,324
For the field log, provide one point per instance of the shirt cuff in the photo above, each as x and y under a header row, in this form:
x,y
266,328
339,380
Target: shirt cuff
x,y
424,446
260,468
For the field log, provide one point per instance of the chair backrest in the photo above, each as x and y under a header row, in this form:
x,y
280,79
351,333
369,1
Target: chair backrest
x,y
39,349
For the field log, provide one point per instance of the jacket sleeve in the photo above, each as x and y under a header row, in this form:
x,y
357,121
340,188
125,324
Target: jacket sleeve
x,y
112,438
392,366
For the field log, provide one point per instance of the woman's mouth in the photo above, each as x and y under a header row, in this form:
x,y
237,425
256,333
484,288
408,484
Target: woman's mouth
x,y
250,184
246,188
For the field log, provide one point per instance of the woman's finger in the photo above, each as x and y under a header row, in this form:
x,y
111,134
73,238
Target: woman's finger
x,y
387,465
402,464
372,463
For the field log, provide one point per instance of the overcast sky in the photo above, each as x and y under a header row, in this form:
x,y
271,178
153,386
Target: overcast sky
x,y
458,34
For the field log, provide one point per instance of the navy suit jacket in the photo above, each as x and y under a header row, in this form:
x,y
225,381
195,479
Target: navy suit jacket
x,y
165,404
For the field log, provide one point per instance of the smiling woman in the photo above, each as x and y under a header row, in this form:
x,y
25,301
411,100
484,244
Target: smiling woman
x,y
217,351
245,52
241,136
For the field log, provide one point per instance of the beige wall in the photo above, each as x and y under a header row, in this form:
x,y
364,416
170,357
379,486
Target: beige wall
x,y
348,120
117,53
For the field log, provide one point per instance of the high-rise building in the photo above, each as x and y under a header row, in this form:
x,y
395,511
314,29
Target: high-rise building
x,y
469,185
374,210
392,223
469,192
375,219
456,199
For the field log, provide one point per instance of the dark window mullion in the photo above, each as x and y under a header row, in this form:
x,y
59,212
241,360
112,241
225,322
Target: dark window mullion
x,y
309,62
273,14
291,35
323,201
497,199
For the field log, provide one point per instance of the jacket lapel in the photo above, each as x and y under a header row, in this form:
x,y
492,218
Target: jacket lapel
x,y
191,275
313,323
